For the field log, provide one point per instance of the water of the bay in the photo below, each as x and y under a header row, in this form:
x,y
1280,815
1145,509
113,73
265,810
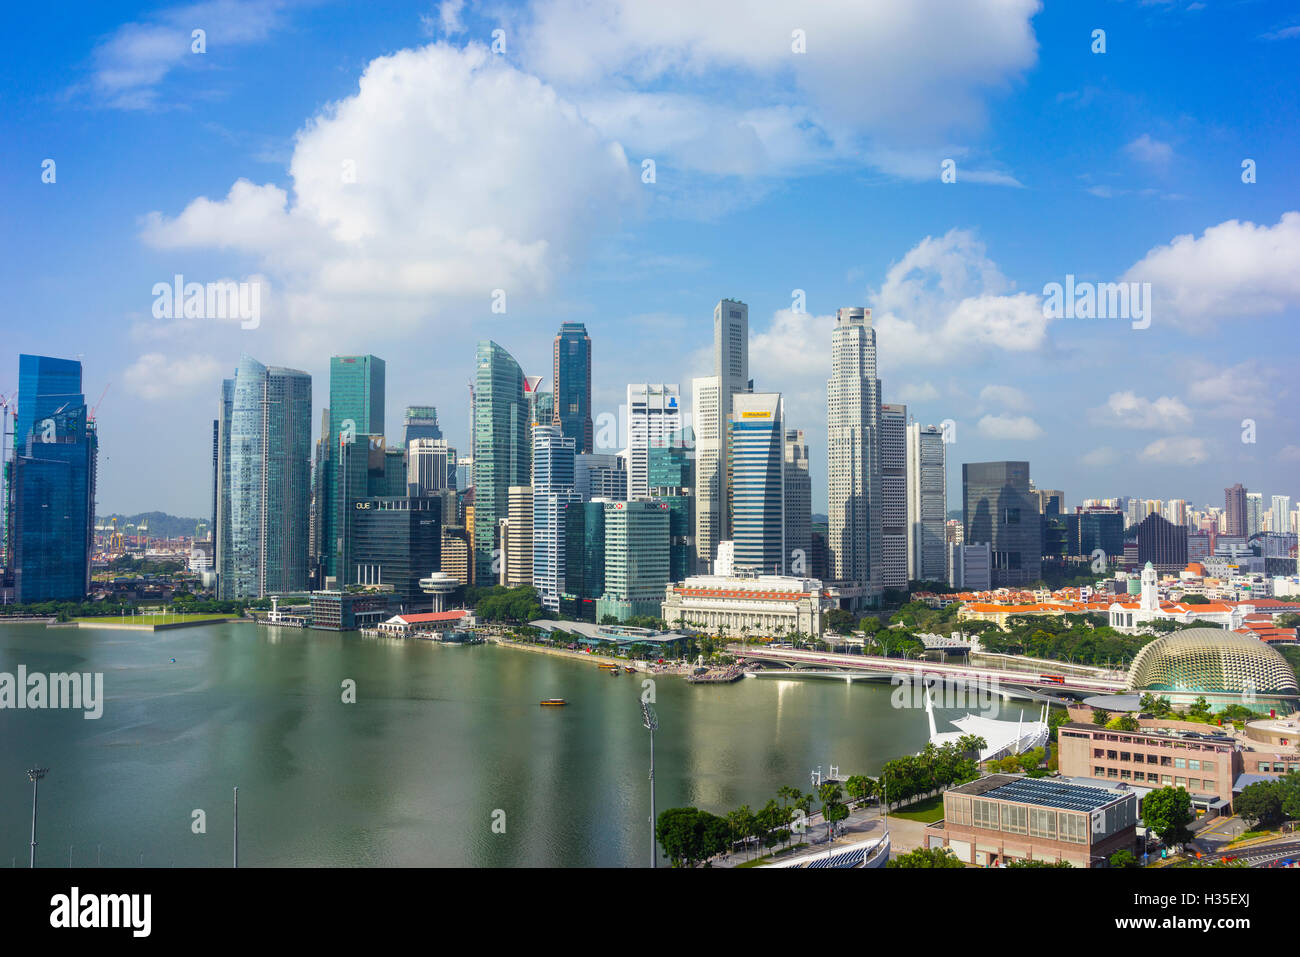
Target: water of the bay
x,y
441,742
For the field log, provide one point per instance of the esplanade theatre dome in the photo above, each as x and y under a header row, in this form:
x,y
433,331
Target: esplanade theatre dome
x,y
1211,661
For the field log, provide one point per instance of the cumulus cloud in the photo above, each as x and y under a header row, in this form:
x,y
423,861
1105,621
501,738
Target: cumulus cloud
x,y
1235,269
155,376
1100,456
1009,397
1176,450
939,61
1150,151
1009,427
1128,410
945,298
446,176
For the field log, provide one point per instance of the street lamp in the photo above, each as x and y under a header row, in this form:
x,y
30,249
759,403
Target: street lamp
x,y
34,775
650,721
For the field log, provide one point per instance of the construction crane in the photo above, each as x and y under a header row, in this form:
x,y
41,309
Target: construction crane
x,y
94,408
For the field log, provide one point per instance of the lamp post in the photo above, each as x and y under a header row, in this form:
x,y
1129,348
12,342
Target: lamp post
x,y
35,775
650,721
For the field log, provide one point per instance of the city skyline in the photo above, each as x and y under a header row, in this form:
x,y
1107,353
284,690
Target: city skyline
x,y
1122,181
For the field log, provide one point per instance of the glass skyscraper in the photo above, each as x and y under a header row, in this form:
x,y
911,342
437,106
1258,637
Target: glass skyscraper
x,y
421,423
553,492
501,447
584,565
355,414
671,478
998,510
757,434
51,488
264,474
572,375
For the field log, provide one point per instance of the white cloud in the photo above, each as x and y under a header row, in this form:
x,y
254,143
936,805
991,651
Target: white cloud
x,y
946,298
1176,450
1289,453
1234,269
1150,151
916,392
467,176
1128,410
155,376
131,63
1009,427
1007,396
939,62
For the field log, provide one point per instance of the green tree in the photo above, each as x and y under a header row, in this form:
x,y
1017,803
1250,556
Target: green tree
x,y
1122,858
1100,717
926,857
1126,722
1167,811
1022,862
1261,803
690,836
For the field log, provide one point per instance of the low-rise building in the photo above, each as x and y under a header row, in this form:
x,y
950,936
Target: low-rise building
x,y
735,606
1004,817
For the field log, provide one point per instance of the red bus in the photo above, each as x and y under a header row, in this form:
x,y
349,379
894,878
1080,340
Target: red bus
x,y
1054,679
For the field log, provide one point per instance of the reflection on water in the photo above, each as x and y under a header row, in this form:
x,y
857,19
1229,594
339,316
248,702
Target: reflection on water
x,y
439,740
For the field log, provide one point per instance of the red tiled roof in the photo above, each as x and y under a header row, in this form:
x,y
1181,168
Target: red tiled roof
x,y
435,616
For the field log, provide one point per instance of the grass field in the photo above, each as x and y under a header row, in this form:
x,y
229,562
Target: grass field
x,y
926,812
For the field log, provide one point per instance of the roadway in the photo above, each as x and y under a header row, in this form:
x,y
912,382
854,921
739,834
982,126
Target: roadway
x,y
901,666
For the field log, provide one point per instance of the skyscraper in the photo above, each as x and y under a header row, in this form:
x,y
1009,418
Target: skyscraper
x,y
893,495
710,482
1234,510
927,503
430,467
1162,543
600,475
997,509
636,559
1254,512
1281,512
355,414
553,492
572,375
501,450
653,414
853,453
421,422
265,476
758,482
584,565
51,484
798,505
672,481
517,537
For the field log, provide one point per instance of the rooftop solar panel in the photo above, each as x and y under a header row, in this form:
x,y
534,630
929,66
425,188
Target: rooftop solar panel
x,y
1054,794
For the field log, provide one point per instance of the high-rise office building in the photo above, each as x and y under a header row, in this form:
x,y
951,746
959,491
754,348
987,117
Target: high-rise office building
x,y
1163,544
553,492
710,481
927,503
757,456
50,483
636,559
997,509
853,453
671,472
1100,528
421,422
502,455
798,505
1234,510
893,495
653,414
584,565
572,375
600,475
430,467
355,416
264,473
396,541
517,537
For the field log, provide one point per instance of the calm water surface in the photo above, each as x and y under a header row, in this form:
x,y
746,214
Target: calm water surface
x,y
438,740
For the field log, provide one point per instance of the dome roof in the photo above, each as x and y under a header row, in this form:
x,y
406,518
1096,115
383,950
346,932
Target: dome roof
x,y
1211,660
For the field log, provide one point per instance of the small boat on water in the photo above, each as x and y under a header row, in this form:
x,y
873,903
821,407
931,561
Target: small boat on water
x,y
553,702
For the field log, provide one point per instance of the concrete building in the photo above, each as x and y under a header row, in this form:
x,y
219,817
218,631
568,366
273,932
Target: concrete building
x,y
517,537
747,606
927,503
853,454
653,414
430,466
893,495
1234,510
636,559
798,504
553,492
970,566
600,475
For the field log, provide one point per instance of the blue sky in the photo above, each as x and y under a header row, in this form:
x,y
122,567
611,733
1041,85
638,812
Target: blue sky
x,y
474,170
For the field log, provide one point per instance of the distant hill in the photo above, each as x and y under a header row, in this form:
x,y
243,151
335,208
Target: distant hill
x,y
161,525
